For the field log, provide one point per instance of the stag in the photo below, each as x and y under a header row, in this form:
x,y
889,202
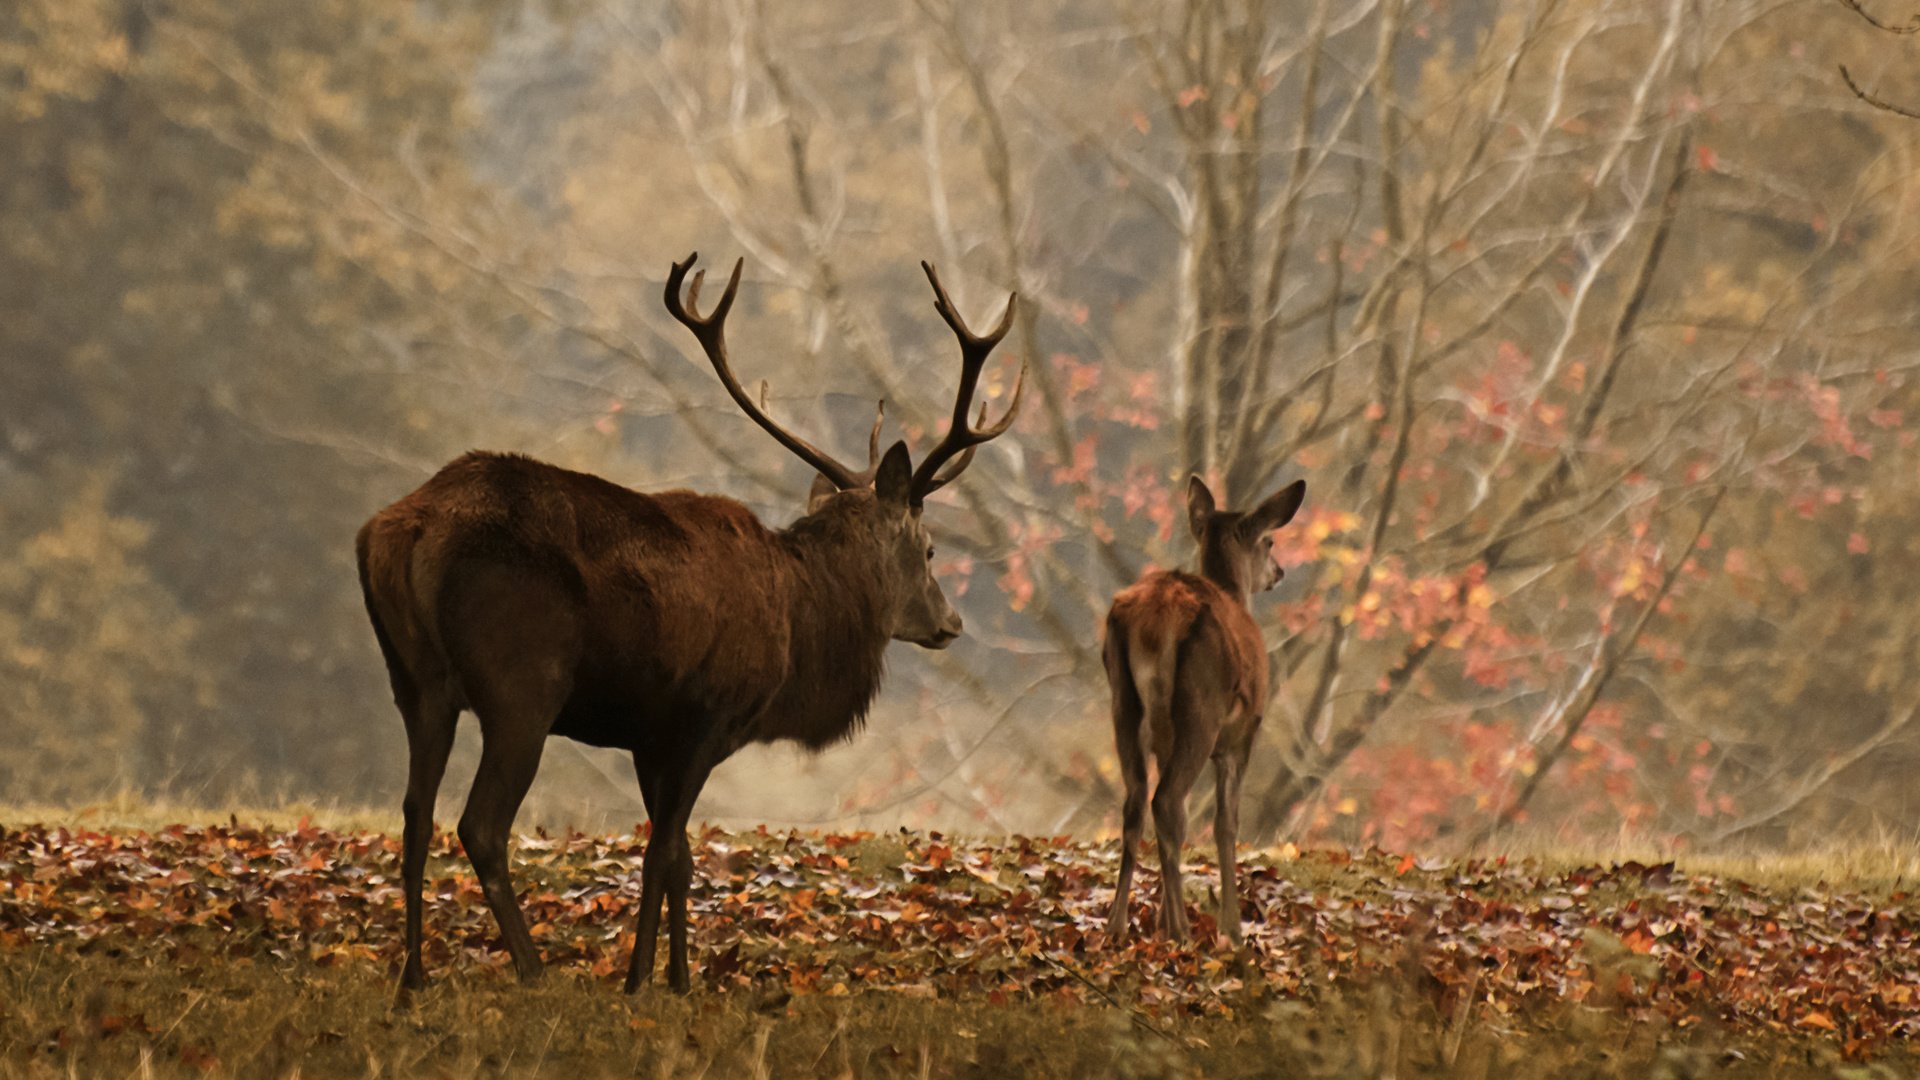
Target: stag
x,y
1187,668
673,625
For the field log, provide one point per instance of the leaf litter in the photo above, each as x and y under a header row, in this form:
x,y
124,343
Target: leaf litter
x,y
926,915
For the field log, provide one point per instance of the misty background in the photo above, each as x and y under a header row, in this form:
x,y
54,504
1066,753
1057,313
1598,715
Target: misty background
x,y
1591,324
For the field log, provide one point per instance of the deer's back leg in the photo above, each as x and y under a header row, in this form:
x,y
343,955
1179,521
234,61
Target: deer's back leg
x,y
1128,715
430,709
431,717
1195,723
516,649
1228,768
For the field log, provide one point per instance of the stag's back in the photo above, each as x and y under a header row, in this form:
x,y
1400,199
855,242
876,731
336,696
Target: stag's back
x,y
670,599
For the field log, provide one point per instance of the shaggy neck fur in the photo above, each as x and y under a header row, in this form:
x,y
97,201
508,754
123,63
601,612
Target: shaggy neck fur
x,y
837,627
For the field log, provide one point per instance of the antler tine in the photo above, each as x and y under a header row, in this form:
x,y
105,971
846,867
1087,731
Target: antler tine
x,y
710,331
970,342
961,440
974,436
873,437
959,464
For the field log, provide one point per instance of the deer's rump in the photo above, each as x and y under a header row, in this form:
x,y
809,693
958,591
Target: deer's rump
x,y
1173,628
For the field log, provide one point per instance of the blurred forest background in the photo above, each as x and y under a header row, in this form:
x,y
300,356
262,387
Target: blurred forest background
x,y
1591,323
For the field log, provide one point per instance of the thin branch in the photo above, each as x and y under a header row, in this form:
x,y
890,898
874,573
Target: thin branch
x,y
1873,100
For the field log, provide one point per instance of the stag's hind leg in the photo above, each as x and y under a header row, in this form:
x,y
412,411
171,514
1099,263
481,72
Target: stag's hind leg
x,y
517,650
431,717
509,757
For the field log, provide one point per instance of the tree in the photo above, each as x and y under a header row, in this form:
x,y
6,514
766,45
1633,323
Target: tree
x,y
1584,320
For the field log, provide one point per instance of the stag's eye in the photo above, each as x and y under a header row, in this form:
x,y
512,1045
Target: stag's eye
x,y
929,552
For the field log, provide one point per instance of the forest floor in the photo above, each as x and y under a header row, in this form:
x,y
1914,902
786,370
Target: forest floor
x,y
235,950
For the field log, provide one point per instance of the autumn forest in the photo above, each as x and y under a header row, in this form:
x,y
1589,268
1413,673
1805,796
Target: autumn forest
x,y
1589,324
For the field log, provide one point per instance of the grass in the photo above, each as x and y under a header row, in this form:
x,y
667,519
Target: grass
x,y
115,1005
94,1015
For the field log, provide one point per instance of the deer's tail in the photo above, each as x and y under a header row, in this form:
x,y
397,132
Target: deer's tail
x,y
1151,667
374,562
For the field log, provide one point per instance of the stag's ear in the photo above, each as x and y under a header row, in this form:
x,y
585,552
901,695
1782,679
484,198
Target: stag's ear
x,y
821,491
1279,508
893,481
1199,506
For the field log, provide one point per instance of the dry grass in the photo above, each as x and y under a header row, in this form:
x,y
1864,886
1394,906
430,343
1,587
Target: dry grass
x,y
1883,862
89,1010
64,1015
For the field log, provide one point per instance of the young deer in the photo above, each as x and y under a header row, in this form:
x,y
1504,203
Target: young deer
x,y
1187,666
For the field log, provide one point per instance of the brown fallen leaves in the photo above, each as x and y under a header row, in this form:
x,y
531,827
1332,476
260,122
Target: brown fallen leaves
x,y
920,914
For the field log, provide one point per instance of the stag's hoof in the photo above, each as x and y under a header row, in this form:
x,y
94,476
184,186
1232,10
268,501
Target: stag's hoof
x,y
412,980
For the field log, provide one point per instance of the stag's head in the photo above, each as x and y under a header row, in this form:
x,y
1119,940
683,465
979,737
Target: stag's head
x,y
890,493
1237,546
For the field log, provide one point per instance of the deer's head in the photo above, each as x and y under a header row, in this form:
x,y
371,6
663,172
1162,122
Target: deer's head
x,y
1236,547
889,495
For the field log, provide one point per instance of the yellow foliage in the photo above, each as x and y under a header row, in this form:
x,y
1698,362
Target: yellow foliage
x,y
87,641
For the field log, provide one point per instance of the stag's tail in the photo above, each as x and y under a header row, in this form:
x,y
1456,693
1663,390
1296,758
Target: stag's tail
x,y
373,560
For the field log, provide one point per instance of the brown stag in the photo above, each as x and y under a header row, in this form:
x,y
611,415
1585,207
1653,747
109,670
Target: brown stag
x,y
672,625
1187,667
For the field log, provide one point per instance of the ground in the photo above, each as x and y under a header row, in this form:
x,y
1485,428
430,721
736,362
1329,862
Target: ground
x,y
259,951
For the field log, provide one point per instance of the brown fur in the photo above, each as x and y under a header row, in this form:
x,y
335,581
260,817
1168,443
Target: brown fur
x,y
673,625
1187,669
686,602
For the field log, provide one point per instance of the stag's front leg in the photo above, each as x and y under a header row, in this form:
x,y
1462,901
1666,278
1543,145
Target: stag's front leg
x,y
679,870
652,880
666,873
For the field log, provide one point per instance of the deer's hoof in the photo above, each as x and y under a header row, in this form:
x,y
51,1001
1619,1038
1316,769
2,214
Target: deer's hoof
x,y
413,977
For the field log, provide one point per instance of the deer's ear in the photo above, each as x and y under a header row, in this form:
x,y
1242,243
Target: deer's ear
x,y
1199,506
1279,507
894,479
821,491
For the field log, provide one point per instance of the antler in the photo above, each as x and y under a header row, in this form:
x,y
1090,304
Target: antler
x,y
865,476
961,439
711,332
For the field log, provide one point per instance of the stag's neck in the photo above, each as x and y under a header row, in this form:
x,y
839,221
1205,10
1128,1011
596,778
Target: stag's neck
x,y
837,636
